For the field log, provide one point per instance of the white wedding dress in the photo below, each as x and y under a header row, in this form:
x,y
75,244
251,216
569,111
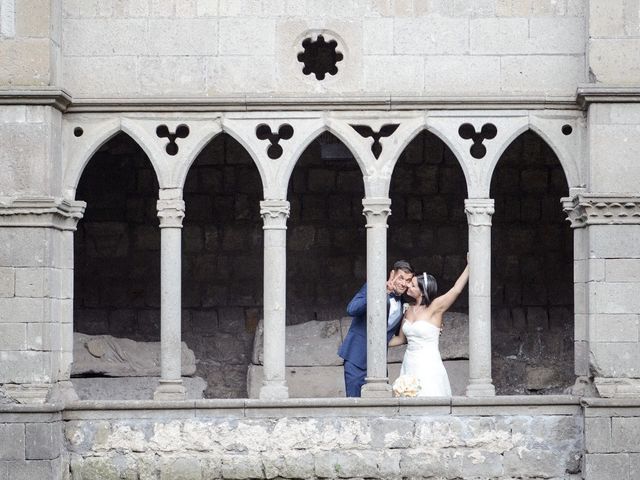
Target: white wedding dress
x,y
422,359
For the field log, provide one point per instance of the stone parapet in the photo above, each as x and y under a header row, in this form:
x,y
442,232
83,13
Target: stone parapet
x,y
328,438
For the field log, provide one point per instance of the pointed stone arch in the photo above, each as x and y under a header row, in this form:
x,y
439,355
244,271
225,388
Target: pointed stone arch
x,y
80,156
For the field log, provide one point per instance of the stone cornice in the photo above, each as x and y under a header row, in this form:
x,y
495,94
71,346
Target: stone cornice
x,y
602,209
594,93
41,212
47,96
325,102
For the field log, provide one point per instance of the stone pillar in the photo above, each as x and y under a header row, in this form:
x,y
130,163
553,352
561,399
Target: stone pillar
x,y
606,282
274,214
479,211
36,295
376,210
171,213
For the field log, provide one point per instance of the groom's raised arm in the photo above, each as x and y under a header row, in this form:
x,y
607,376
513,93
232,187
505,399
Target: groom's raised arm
x,y
358,305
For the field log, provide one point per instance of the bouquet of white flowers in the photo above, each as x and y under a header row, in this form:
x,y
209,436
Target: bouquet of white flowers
x,y
406,386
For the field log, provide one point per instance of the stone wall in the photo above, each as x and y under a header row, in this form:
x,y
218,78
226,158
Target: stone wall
x,y
353,440
32,442
490,47
612,439
117,250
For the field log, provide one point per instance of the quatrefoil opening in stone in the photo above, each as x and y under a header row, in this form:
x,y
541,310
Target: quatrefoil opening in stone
x,y
319,57
385,131
182,131
487,132
285,132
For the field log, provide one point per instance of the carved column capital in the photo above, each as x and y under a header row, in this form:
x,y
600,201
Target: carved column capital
x,y
274,214
376,210
479,211
601,209
170,213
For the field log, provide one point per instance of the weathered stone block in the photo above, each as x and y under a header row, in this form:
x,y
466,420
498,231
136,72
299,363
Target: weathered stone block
x,y
12,441
622,270
21,310
30,282
615,61
295,464
620,141
561,35
241,466
430,35
377,36
168,37
7,282
615,298
625,434
597,465
168,74
597,435
31,470
237,36
606,18
43,441
408,73
13,336
553,74
499,35
615,241
616,328
186,468
477,74
110,75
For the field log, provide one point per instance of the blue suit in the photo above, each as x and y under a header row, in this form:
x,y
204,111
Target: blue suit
x,y
354,348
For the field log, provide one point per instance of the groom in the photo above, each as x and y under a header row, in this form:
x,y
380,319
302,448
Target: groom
x,y
354,348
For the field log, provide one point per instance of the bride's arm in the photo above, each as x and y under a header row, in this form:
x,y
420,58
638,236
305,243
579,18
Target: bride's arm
x,y
398,339
443,302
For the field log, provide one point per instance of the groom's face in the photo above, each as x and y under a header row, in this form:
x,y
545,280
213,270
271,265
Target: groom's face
x,y
401,281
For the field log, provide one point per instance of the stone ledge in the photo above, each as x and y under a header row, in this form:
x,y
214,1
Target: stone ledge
x,y
48,212
248,103
510,405
595,93
45,96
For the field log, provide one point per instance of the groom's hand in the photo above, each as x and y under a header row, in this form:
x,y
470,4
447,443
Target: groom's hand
x,y
390,282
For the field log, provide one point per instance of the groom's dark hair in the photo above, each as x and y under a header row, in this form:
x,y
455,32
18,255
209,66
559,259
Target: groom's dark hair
x,y
404,266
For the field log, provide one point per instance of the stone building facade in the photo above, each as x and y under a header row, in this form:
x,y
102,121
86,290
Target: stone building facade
x,y
255,135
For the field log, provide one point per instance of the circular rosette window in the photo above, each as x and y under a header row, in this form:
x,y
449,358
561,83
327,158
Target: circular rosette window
x,y
320,55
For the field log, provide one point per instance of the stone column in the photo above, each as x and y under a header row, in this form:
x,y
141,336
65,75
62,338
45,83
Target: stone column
x,y
376,210
274,214
170,213
479,211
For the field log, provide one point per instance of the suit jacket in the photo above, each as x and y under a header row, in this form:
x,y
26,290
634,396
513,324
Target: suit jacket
x,y
354,347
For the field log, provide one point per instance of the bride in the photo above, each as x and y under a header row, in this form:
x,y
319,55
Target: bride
x,y
421,327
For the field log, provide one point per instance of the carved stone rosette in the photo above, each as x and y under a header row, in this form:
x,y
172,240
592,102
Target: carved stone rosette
x,y
49,212
376,211
170,213
598,209
479,211
274,214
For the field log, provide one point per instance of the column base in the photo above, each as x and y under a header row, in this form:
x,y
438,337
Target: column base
x,y
484,389
170,390
272,391
376,388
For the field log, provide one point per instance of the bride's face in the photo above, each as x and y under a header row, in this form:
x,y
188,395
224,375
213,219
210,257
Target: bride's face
x,y
413,290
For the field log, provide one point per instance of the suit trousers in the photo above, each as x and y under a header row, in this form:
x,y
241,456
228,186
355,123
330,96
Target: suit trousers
x,y
353,379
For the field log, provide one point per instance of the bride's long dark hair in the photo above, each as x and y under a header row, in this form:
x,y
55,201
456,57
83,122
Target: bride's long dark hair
x,y
429,290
